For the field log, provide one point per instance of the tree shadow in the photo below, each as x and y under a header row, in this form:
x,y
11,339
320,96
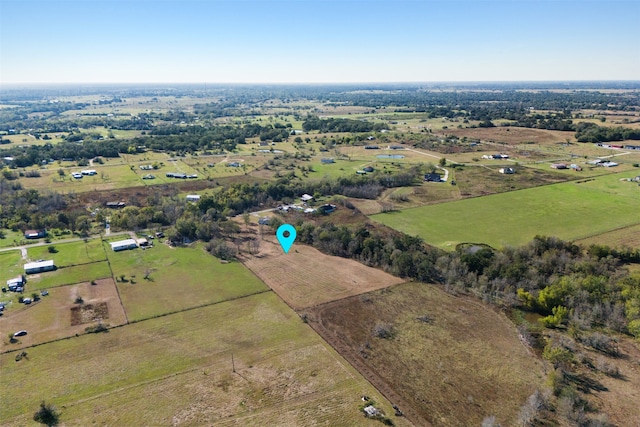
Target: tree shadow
x,y
585,384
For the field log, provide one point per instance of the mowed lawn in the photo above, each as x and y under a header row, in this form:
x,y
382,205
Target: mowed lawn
x,y
68,276
177,370
178,278
69,254
569,211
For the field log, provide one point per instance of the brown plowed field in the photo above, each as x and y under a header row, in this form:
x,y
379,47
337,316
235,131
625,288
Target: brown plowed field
x,y
306,277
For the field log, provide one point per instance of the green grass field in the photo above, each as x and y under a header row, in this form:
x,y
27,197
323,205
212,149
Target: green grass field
x,y
179,278
70,254
177,370
16,238
68,276
11,265
568,210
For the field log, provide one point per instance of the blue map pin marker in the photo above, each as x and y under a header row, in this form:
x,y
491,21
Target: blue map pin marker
x,y
286,241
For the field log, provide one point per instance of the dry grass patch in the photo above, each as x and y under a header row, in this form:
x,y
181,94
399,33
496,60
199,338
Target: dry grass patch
x,y
622,237
512,135
306,277
452,360
177,370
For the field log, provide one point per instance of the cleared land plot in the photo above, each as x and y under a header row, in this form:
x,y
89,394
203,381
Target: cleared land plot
x,y
70,254
68,275
51,318
108,177
568,210
176,370
306,277
455,365
512,135
178,279
479,180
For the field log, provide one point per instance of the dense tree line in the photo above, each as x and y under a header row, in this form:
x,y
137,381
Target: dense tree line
x,y
340,125
23,209
591,132
397,253
557,279
85,149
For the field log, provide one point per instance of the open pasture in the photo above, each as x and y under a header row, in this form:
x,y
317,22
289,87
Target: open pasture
x,y
108,177
177,370
68,275
11,265
514,218
306,277
452,360
51,318
70,254
176,279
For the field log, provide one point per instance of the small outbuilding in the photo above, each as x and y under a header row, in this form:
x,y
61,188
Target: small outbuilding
x,y
123,245
507,171
193,197
306,197
39,267
559,166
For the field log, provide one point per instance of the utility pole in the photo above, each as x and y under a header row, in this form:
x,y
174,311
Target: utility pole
x,y
233,365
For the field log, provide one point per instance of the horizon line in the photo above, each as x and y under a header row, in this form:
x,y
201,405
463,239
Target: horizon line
x,y
5,84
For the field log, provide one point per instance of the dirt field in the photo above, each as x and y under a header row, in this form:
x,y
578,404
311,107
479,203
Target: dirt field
x,y
305,277
51,318
449,362
512,135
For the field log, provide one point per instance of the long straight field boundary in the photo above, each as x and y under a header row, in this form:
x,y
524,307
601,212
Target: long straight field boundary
x,y
142,320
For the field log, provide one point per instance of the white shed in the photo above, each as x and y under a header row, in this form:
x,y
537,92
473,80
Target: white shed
x,y
123,245
39,267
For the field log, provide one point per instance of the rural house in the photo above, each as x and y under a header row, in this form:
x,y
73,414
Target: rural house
x,y
306,197
123,245
193,197
432,177
39,267
35,234
507,171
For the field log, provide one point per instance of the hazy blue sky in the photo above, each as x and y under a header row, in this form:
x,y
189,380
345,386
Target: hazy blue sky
x,y
317,41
